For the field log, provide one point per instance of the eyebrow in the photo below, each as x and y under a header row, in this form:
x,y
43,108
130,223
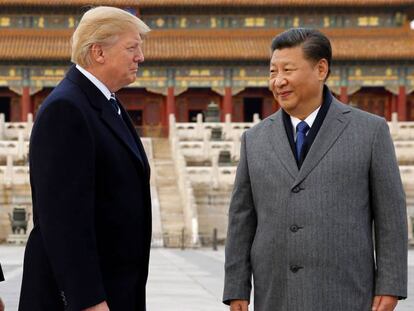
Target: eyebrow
x,y
135,42
285,64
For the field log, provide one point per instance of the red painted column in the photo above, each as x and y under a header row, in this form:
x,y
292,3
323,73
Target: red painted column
x,y
227,102
170,103
402,104
344,95
394,103
25,103
163,115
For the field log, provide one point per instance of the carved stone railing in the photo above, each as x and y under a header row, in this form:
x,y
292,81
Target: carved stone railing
x,y
407,176
156,211
17,149
212,175
404,150
401,130
206,149
199,131
184,185
14,175
13,130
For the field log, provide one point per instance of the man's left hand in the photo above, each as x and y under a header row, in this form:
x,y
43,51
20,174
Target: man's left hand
x,y
384,303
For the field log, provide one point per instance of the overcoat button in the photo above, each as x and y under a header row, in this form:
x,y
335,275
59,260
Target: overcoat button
x,y
295,268
294,228
296,189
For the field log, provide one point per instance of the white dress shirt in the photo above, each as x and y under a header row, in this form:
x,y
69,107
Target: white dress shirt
x,y
98,84
95,81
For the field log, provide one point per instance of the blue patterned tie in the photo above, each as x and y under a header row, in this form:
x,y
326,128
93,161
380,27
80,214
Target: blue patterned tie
x,y
114,104
301,129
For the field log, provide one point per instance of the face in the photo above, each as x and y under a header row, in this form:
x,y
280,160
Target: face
x,y
297,83
120,60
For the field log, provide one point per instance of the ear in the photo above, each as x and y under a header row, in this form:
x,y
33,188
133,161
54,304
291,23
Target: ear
x,y
323,68
97,53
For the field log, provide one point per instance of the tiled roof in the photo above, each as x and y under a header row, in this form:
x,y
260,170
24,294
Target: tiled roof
x,y
56,3
232,3
237,3
34,44
214,45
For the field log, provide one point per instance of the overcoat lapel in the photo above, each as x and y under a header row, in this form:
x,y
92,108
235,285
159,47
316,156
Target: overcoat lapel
x,y
120,129
137,140
279,141
100,102
332,127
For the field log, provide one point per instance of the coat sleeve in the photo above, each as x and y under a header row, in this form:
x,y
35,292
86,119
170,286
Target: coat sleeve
x,y
240,235
62,169
390,217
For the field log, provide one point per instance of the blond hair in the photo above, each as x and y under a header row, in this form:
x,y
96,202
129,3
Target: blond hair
x,y
102,25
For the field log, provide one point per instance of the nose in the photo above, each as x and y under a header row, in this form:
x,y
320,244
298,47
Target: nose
x,y
280,81
277,82
139,57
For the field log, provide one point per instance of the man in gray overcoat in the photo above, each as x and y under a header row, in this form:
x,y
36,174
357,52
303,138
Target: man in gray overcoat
x,y
318,213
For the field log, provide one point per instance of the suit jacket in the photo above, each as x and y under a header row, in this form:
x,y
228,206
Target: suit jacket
x,y
306,235
91,205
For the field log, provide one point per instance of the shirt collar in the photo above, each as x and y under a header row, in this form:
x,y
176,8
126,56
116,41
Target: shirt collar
x,y
309,120
105,91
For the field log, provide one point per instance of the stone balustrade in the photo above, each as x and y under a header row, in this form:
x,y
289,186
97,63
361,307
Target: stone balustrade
x,y
407,177
402,131
184,185
13,175
199,131
404,151
14,130
18,150
203,150
212,175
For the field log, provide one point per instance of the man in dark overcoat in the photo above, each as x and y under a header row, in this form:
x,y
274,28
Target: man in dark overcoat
x,y
89,248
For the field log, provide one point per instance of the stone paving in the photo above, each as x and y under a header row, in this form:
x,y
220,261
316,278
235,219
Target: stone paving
x,y
190,280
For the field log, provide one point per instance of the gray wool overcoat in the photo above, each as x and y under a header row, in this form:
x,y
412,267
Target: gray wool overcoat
x,y
306,236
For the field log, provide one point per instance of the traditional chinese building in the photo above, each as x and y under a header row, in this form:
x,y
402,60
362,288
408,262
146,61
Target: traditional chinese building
x,y
203,51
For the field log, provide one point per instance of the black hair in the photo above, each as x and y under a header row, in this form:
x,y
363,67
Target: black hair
x,y
315,45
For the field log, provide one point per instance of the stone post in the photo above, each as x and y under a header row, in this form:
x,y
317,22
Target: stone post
x,y
29,125
2,126
8,174
20,145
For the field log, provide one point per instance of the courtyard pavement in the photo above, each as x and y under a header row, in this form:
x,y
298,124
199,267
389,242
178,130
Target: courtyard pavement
x,y
189,280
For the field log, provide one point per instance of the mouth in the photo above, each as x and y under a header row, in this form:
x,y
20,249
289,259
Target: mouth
x,y
284,94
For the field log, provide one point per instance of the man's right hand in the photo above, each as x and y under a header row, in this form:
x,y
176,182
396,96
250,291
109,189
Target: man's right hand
x,y
100,307
239,305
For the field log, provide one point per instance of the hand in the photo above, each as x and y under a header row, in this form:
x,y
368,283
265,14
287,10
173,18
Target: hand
x,y
384,303
100,307
1,305
239,305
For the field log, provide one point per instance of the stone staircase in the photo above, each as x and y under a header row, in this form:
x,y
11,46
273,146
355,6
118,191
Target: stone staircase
x,y
212,209
172,216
